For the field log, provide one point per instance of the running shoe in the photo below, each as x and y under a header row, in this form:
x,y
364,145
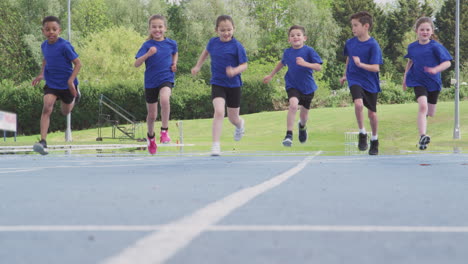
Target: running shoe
x,y
374,147
362,145
164,137
152,147
302,133
239,132
287,141
41,147
215,149
423,141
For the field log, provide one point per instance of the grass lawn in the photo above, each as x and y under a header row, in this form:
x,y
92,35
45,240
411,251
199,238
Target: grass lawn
x,y
265,131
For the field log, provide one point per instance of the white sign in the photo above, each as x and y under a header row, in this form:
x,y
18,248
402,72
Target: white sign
x,y
7,121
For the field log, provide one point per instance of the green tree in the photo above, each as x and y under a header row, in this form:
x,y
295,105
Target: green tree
x,y
16,61
445,24
399,22
89,16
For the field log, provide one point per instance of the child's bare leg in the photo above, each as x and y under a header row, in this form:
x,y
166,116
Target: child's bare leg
x,y
374,122
151,117
431,108
304,115
218,117
48,107
293,107
164,99
422,113
233,115
358,111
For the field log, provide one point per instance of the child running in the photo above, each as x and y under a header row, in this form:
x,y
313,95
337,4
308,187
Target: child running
x,y
427,58
301,60
228,61
363,61
160,56
59,74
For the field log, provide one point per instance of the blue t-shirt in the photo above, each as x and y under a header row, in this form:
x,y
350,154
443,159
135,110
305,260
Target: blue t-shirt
x,y
158,66
58,67
299,77
370,53
428,55
224,54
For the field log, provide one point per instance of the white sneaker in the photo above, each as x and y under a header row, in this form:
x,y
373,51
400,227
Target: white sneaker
x,y
215,149
239,132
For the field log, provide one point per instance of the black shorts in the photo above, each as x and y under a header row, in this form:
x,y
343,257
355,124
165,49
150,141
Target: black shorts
x,y
64,95
231,95
422,91
152,94
304,99
369,99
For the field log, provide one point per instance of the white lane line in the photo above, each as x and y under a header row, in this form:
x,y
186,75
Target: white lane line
x,y
162,245
237,228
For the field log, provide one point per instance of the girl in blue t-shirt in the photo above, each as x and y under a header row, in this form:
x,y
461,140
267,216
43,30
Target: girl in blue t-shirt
x,y
301,61
160,56
427,58
228,61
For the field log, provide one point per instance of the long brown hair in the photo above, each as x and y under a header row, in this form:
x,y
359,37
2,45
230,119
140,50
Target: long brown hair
x,y
428,20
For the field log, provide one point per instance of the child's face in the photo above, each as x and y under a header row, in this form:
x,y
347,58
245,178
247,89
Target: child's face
x,y
51,31
225,30
157,29
297,38
359,29
424,32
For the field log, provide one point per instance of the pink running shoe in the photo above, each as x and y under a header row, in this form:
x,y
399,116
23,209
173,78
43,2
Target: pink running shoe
x,y
164,137
152,147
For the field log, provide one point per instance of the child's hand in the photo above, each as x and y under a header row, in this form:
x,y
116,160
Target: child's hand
x,y
343,80
37,80
300,61
174,67
152,51
230,71
431,70
357,61
267,79
72,88
195,70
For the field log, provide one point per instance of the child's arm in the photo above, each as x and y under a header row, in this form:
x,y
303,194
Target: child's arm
x,y
408,66
278,67
71,81
439,68
367,67
151,52
39,78
314,66
201,60
175,58
233,71
343,79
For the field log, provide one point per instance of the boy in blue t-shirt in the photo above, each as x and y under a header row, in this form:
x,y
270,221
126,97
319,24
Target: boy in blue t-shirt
x,y
59,74
301,60
363,61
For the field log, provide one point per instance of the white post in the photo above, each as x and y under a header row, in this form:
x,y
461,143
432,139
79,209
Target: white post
x,y
456,130
68,134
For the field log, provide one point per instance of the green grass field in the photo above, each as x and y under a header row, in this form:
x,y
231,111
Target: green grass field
x,y
264,131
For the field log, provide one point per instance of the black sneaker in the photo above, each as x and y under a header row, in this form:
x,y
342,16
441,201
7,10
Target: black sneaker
x,y
423,141
362,145
302,132
41,147
287,141
374,147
